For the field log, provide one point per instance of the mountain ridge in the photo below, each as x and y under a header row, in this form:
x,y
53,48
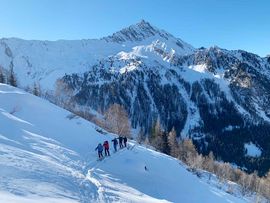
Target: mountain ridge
x,y
201,92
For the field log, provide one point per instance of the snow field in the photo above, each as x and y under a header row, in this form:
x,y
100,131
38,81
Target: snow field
x,y
46,156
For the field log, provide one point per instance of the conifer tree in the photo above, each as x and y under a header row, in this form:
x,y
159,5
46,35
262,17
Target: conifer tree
x,y
36,89
156,138
12,79
2,77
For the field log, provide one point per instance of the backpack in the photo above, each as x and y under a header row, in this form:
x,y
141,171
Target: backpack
x,y
106,145
100,148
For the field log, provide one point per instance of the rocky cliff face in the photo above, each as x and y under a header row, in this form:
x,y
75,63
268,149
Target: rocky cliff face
x,y
217,97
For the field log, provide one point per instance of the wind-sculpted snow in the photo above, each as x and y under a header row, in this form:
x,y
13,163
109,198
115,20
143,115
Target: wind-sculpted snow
x,y
47,155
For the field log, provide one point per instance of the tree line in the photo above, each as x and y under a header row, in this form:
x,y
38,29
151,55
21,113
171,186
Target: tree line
x,y
9,77
185,150
115,120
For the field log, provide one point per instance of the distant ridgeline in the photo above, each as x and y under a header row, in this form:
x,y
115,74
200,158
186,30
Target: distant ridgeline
x,y
217,97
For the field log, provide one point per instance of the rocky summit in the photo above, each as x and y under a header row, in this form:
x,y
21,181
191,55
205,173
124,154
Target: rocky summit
x,y
220,98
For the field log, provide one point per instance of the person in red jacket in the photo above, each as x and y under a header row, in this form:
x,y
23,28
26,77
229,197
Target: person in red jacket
x,y
106,147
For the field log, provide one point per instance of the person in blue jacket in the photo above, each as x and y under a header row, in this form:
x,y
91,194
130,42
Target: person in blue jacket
x,y
99,148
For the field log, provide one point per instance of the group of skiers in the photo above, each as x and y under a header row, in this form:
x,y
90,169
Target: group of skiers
x,y
106,147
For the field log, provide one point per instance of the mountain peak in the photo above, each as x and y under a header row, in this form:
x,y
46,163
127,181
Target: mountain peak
x,y
137,32
144,25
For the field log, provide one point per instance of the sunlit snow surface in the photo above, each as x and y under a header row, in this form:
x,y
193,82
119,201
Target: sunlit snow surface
x,y
47,61
252,150
45,156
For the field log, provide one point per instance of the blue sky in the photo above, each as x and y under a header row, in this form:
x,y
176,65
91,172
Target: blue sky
x,y
231,24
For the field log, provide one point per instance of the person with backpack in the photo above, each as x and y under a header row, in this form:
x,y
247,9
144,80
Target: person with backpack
x,y
99,148
115,143
120,141
125,141
106,147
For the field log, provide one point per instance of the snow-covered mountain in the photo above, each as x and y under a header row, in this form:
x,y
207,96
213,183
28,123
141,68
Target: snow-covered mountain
x,y
47,155
218,97
46,61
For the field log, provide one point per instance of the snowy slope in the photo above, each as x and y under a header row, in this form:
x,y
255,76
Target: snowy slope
x,y
46,61
47,155
155,75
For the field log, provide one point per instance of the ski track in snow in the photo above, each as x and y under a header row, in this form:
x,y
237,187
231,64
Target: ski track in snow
x,y
111,189
47,157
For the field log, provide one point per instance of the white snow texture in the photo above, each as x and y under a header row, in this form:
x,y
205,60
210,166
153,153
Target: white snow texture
x,y
47,155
